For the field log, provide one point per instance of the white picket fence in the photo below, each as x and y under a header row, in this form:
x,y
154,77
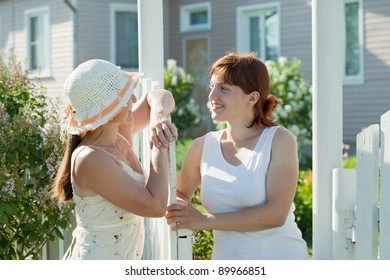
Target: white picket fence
x,y
361,198
160,242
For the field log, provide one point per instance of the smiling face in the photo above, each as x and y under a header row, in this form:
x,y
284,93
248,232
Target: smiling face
x,y
228,102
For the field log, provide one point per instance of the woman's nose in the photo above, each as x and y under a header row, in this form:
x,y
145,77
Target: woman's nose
x,y
213,94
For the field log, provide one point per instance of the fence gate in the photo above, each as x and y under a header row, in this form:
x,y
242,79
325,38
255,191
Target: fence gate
x,y
361,198
160,242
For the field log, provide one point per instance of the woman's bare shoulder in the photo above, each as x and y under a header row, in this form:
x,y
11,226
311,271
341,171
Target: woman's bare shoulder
x,y
282,134
93,158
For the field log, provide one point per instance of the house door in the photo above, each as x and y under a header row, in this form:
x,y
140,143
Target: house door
x,y
196,63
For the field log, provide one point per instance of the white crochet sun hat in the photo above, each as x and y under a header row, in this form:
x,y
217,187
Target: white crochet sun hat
x,y
97,90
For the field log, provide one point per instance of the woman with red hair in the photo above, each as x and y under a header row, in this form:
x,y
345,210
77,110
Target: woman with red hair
x,y
247,172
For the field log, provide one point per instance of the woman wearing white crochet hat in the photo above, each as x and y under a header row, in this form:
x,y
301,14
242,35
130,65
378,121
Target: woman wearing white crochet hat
x,y
100,170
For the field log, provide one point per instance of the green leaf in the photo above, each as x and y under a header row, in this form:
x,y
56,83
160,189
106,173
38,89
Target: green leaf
x,y
63,224
59,234
8,208
28,227
3,219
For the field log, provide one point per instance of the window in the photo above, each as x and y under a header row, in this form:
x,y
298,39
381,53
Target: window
x,y
124,36
353,68
37,26
195,17
258,30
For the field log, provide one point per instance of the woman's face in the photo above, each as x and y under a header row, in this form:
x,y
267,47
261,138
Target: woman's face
x,y
126,115
228,102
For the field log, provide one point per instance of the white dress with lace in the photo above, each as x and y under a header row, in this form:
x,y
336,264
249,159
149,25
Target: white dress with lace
x,y
105,231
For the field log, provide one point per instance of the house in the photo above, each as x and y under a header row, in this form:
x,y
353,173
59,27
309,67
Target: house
x,y
54,36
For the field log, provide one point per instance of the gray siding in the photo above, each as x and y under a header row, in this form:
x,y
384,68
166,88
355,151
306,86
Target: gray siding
x,y
295,35
94,28
364,104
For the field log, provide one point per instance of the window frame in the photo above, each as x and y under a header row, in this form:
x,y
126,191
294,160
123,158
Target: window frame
x,y
116,7
43,14
243,13
185,15
355,79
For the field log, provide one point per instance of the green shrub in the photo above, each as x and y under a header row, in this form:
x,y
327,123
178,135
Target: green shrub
x,y
30,152
204,249
186,114
303,201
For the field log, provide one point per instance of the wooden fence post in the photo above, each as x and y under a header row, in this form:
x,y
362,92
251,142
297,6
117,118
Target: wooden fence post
x,y
343,213
151,62
327,16
367,164
181,240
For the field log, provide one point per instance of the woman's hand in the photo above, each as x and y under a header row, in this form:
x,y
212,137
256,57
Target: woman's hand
x,y
183,215
162,132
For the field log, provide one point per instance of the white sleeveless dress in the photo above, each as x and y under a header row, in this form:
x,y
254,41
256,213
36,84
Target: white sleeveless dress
x,y
229,188
105,231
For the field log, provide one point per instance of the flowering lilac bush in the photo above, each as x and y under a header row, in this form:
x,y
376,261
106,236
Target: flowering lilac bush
x,y
30,152
295,110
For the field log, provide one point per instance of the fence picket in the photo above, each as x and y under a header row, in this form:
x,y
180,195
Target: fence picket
x,y
181,243
343,213
367,162
157,233
384,225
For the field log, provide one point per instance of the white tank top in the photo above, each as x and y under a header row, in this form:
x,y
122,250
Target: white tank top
x,y
228,188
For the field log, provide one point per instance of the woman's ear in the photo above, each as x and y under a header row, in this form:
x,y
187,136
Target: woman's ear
x,y
254,97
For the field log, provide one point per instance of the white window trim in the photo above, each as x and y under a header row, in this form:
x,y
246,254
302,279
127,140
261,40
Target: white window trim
x,y
44,12
186,10
242,15
115,7
357,79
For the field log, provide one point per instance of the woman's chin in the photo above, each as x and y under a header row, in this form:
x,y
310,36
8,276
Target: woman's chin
x,y
216,118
